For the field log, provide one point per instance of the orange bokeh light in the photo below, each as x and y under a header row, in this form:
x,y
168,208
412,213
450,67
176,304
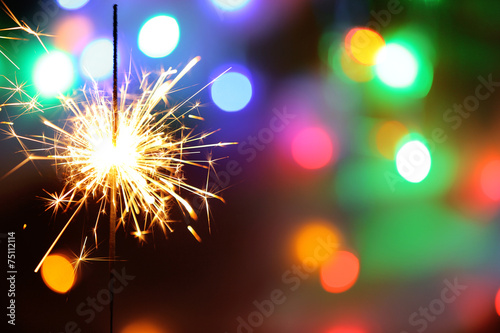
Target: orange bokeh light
x,y
362,45
346,329
142,326
314,240
73,33
387,137
58,273
340,272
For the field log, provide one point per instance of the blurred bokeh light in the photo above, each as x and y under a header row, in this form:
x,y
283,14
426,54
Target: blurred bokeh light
x,y
58,273
143,326
311,238
413,161
314,148
232,91
490,180
72,4
72,33
159,36
96,60
396,66
340,272
363,45
54,73
230,5
388,136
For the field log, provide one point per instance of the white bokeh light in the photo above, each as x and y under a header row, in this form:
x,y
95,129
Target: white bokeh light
x,y
396,66
413,161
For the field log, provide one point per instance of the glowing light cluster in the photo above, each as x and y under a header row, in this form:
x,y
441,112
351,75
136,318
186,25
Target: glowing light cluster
x,y
359,54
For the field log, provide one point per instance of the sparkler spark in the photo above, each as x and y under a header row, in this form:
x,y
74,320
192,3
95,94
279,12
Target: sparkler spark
x,y
145,164
17,89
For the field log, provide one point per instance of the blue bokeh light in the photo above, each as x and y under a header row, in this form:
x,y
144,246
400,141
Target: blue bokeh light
x,y
230,5
72,4
232,91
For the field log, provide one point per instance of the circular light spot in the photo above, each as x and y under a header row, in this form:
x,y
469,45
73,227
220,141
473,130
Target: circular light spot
x,y
312,148
413,161
58,273
142,327
346,329
340,272
159,36
396,66
72,33
363,45
53,73
230,5
490,180
388,136
72,4
497,302
97,59
317,240
232,91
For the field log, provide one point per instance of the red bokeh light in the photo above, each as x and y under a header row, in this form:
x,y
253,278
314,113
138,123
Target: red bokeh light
x,y
313,148
340,273
490,180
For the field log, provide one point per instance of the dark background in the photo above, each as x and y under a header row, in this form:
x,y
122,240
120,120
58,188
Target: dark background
x,y
184,286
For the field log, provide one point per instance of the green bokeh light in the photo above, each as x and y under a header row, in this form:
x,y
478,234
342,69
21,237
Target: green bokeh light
x,y
369,182
420,239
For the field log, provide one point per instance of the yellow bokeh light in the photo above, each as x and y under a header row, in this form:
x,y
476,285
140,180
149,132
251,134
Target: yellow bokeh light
x,y
317,240
142,326
387,137
58,273
363,45
354,70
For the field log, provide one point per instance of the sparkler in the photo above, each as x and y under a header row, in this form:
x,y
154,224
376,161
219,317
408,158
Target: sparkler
x,y
145,149
148,158
131,165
